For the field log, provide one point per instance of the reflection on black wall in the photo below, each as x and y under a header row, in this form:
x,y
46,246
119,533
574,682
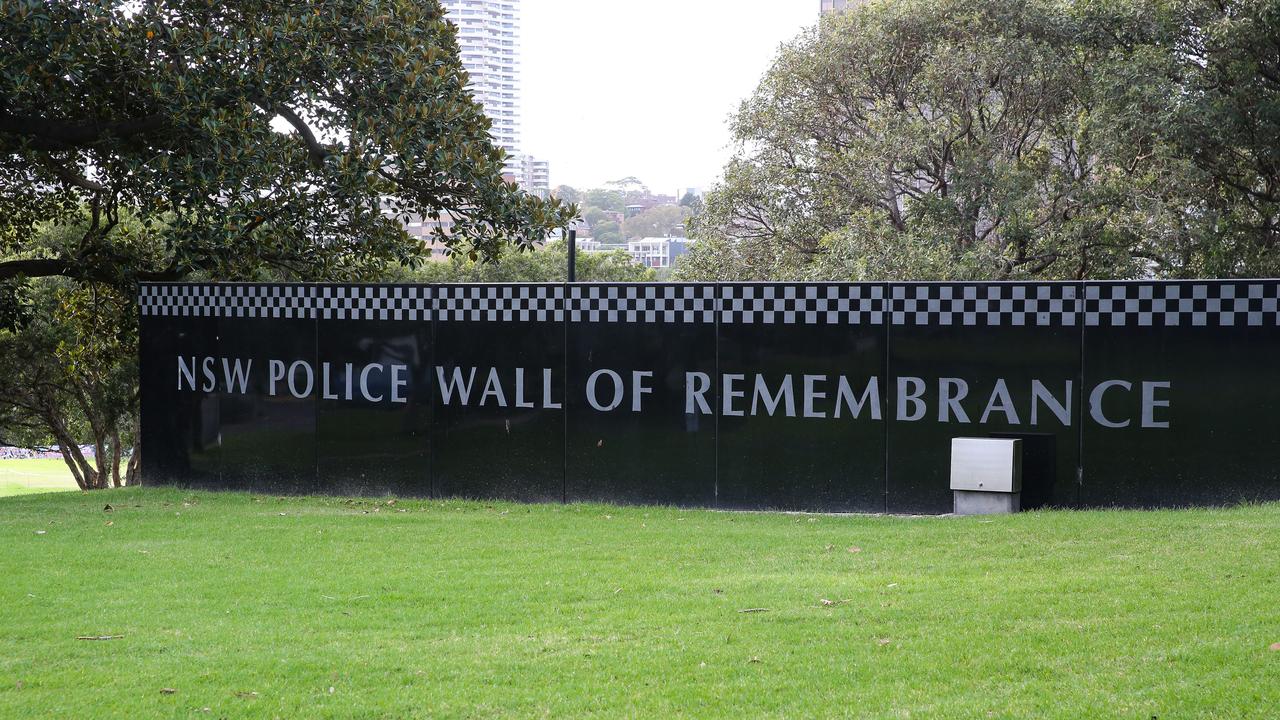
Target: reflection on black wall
x,y
179,428
503,443
268,438
776,338
1217,348
1124,394
367,444
970,346
640,344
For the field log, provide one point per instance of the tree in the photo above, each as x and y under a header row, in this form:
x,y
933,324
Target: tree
x,y
1198,116
226,141
607,232
657,221
545,265
595,215
605,199
1007,139
68,373
628,184
169,110
567,194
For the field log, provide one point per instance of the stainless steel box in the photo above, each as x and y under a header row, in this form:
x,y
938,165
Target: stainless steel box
x,y
986,465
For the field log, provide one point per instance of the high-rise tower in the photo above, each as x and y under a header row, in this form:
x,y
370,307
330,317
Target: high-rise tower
x,y
489,40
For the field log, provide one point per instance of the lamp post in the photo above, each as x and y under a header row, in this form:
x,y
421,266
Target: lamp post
x,y
573,256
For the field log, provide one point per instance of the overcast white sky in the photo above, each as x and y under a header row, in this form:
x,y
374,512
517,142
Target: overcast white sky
x,y
644,87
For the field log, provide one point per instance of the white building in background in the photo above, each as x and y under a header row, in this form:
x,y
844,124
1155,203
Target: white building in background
x,y
489,46
535,175
657,253
489,41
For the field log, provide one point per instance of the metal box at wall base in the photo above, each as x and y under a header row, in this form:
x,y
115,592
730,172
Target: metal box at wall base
x,y
986,475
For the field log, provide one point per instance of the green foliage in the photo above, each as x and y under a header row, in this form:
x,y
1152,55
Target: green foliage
x,y
657,221
602,208
604,199
608,232
68,377
567,194
227,141
549,264
246,137
1008,139
596,215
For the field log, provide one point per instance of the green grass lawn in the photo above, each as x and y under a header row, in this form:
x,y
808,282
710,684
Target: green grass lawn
x,y
234,606
21,477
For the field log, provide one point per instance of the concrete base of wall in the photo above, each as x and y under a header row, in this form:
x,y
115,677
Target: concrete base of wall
x,y
968,502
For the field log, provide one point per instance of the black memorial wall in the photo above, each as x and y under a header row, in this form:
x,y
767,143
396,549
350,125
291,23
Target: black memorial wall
x,y
823,396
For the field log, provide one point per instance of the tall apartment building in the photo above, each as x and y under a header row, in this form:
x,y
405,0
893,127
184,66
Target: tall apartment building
x,y
489,43
831,6
535,175
489,40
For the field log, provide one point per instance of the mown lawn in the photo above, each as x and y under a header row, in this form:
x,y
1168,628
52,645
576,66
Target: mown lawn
x,y
247,606
22,477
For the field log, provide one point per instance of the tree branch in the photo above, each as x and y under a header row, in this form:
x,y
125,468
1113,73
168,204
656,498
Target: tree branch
x,y
78,269
317,151
54,134
34,268
69,176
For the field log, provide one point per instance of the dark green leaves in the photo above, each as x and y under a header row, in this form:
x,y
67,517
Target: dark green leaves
x,y
266,134
1008,139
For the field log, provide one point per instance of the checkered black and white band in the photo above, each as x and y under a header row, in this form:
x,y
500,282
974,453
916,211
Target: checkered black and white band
x,y
988,305
1227,303
643,303
509,303
1254,304
790,304
300,302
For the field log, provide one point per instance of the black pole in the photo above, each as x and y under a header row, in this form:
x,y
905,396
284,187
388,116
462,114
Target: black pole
x,y
573,256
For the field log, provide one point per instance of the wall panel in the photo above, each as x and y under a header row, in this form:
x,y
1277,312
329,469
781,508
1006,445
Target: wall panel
x,y
1210,350
640,346
180,422
983,360
500,440
798,342
374,415
266,403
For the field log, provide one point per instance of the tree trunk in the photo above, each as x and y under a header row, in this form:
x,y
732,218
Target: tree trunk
x,y
100,458
86,477
115,457
131,475
75,469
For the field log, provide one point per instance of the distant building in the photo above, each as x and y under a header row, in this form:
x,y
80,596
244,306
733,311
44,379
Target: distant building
x,y
489,46
835,6
424,229
657,253
489,41
535,175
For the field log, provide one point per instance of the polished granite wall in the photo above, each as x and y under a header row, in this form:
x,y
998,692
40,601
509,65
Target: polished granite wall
x,y
825,396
